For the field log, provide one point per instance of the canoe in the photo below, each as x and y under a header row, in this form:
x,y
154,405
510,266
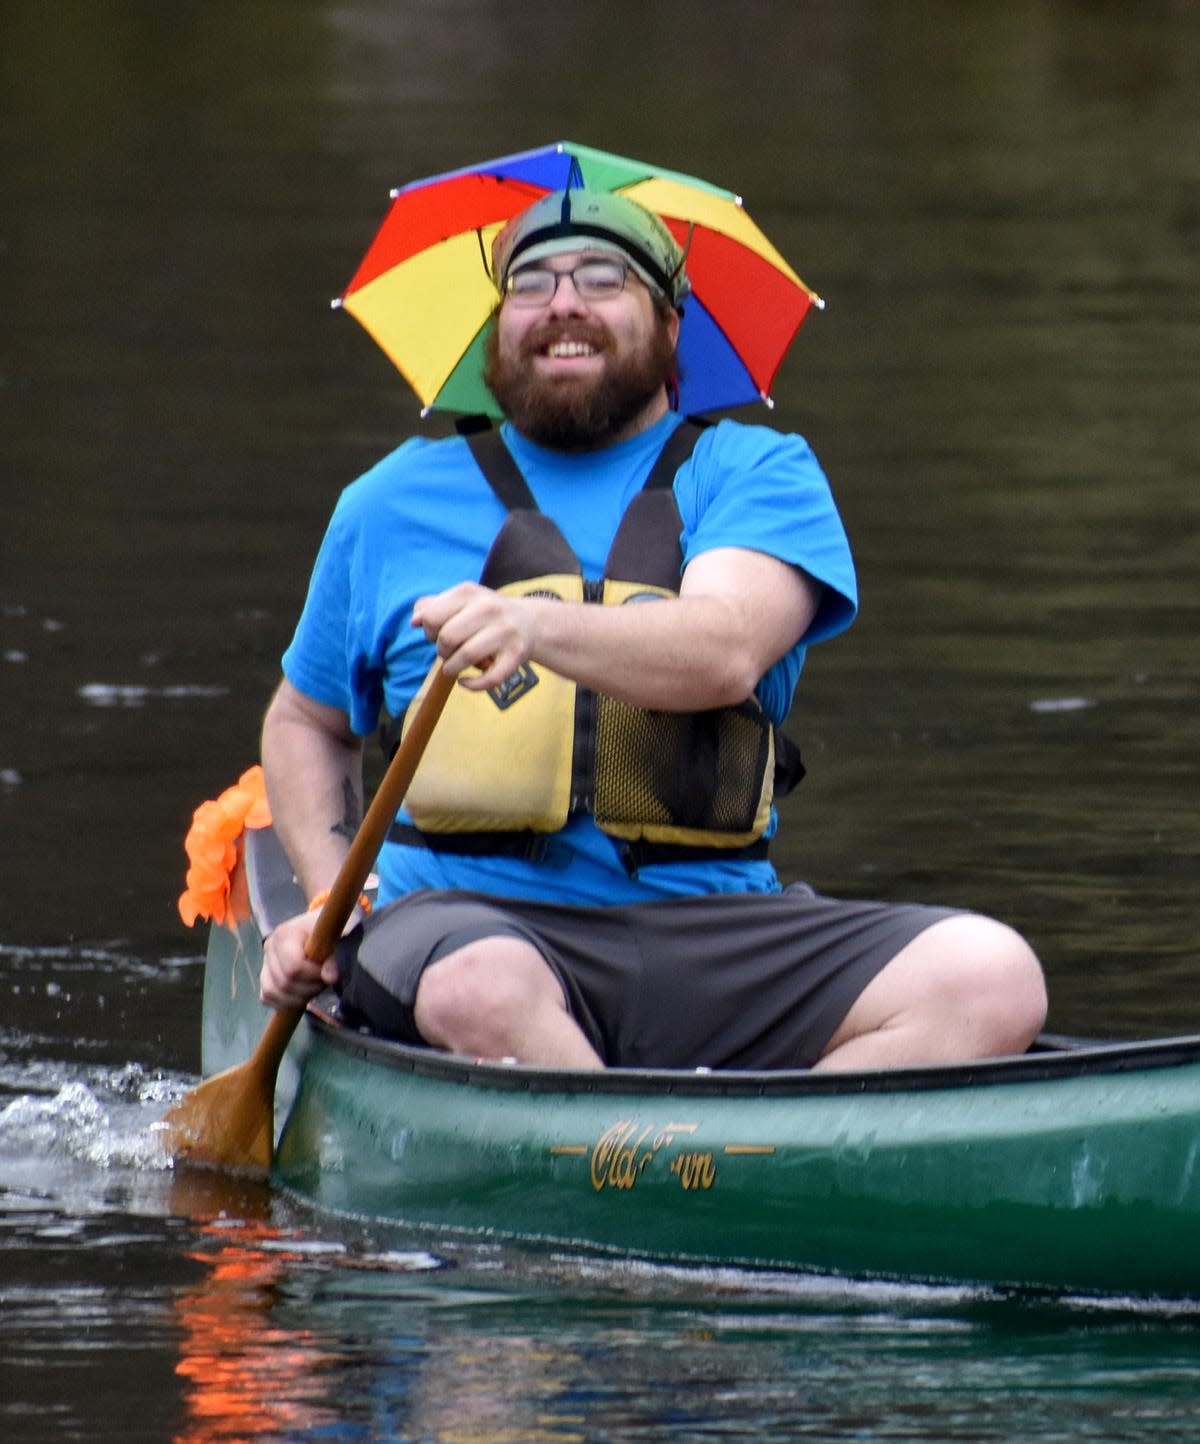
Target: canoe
x,y
1073,1167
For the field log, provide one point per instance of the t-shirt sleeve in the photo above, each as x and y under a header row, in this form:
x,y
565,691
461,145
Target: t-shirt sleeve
x,y
326,659
761,489
749,486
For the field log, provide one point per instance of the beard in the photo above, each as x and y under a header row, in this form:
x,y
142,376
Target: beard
x,y
572,413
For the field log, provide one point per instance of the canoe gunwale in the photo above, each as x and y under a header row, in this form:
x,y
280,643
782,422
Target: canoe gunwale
x,y
274,895
1055,1059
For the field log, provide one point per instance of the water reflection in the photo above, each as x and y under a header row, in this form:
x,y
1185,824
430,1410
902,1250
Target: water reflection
x,y
243,1377
282,1336
286,1334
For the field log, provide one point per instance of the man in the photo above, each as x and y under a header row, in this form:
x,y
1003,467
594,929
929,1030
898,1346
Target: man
x,y
579,877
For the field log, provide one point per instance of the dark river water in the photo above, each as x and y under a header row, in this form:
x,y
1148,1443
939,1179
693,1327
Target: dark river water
x,y
1001,204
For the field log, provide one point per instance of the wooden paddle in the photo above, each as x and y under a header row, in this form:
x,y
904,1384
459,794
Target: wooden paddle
x,y
228,1121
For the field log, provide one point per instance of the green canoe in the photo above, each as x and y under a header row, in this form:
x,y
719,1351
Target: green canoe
x,y
1074,1167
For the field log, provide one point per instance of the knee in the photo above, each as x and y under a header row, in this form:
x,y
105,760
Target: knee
x,y
480,992
967,987
1022,985
1007,986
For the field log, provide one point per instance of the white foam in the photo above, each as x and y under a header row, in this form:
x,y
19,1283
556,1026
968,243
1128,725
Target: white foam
x,y
116,694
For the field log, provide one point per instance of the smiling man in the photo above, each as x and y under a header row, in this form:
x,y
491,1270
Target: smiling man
x,y
580,877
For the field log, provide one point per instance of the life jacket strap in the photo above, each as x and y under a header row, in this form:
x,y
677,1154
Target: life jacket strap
x,y
527,846
504,476
637,855
548,849
789,765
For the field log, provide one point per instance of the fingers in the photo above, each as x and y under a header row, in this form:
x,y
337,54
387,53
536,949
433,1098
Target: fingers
x,y
289,977
432,613
475,627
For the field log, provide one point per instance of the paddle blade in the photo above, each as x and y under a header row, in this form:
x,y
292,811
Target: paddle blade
x,y
228,1121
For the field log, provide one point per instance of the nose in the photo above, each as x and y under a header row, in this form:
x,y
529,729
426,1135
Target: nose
x,y
565,299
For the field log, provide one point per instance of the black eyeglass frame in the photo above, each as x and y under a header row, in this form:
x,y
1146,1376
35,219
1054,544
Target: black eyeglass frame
x,y
544,295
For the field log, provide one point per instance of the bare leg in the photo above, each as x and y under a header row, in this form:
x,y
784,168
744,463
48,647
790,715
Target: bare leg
x,y
967,987
496,998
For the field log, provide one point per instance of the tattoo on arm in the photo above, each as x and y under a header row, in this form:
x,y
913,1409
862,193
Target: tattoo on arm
x,y
351,812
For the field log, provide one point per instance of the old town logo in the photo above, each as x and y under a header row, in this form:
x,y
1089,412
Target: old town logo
x,y
629,1149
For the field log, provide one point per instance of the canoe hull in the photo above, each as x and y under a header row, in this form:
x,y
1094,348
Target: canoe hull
x,y
1084,1182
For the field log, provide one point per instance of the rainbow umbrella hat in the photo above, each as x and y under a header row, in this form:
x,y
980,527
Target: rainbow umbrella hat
x,y
425,292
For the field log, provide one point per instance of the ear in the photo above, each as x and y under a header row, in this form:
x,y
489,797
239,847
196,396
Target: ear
x,y
673,321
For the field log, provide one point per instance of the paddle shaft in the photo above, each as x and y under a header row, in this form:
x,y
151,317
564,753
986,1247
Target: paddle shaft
x,y
356,867
358,862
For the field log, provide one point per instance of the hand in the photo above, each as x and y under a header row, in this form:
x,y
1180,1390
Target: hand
x,y
473,626
289,977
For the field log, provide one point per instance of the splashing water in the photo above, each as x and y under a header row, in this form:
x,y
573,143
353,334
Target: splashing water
x,y
108,1121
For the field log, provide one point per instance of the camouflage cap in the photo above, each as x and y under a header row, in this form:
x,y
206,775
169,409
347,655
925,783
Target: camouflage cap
x,y
567,220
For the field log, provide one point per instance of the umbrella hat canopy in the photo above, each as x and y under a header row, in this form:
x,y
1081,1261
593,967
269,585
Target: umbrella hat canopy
x,y
425,289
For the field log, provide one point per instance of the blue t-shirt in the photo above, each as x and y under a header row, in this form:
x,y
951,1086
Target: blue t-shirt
x,y
423,519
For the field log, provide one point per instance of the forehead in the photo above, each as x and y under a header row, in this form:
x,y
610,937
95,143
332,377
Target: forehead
x,y
564,260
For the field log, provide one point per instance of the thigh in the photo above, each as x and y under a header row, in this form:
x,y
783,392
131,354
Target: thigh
x,y
729,981
759,981
970,987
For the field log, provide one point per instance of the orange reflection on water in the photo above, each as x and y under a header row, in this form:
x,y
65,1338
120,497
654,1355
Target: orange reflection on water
x,y
248,1377
245,1376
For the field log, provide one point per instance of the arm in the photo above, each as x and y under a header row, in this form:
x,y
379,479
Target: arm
x,y
738,611
313,766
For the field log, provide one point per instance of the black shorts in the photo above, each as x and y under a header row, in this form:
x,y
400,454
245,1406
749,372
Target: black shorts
x,y
758,980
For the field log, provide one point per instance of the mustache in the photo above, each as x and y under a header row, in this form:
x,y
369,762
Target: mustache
x,y
547,333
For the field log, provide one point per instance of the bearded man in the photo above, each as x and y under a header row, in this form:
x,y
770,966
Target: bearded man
x,y
580,876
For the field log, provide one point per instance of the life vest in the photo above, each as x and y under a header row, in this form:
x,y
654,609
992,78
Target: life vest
x,y
506,769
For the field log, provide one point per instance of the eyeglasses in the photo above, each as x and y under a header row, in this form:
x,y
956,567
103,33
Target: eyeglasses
x,y
594,280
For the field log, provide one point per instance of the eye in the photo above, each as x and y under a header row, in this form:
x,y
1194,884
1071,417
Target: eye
x,y
600,278
532,281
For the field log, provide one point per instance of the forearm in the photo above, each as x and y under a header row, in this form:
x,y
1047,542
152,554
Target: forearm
x,y
680,654
313,768
737,613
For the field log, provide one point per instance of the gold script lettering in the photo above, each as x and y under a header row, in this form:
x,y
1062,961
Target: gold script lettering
x,y
694,1170
618,1159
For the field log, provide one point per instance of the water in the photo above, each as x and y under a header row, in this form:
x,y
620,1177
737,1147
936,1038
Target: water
x,y
1001,204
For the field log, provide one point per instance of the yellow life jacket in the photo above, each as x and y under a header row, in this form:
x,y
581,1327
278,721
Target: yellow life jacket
x,y
508,767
